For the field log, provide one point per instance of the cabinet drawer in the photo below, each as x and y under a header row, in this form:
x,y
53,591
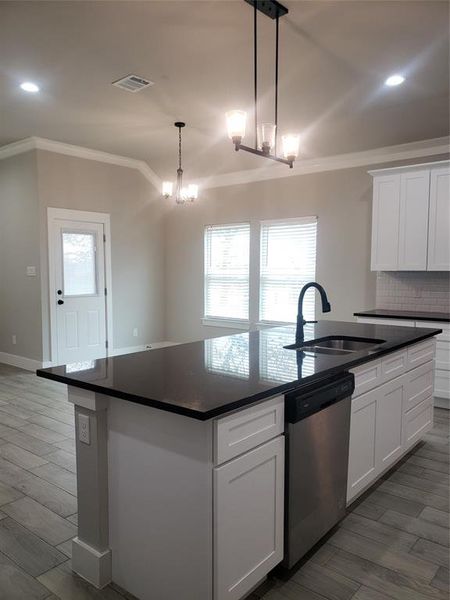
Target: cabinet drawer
x,y
367,377
393,365
418,386
417,422
421,353
248,428
442,384
442,360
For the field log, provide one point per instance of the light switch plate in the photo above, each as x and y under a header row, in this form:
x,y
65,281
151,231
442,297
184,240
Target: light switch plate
x,y
84,431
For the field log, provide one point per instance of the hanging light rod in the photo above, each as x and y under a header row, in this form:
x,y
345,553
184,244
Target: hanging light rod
x,y
182,194
267,132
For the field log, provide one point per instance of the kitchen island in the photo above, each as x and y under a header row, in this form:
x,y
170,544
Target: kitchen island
x,y
180,450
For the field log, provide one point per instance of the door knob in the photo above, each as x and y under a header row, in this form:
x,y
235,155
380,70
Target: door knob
x,y
60,301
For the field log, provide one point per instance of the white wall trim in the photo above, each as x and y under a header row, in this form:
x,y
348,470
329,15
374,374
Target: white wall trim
x,y
29,364
141,348
376,156
37,143
54,214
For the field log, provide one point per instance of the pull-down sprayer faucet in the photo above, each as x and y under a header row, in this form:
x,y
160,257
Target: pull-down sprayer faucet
x,y
326,307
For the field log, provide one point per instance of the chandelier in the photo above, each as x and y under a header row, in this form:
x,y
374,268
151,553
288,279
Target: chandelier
x,y
182,194
266,134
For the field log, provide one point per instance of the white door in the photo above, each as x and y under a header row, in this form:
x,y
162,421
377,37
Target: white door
x,y
439,222
413,234
385,222
79,293
248,519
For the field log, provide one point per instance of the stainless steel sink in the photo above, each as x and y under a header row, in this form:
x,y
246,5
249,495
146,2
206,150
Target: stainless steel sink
x,y
336,345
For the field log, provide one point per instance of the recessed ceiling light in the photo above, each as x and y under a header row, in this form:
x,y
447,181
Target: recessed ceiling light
x,y
28,86
394,80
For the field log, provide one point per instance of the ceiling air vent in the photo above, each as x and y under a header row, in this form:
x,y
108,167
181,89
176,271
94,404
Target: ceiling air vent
x,y
132,83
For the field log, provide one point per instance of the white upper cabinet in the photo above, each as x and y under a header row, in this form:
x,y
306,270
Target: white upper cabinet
x,y
411,218
439,221
413,230
385,222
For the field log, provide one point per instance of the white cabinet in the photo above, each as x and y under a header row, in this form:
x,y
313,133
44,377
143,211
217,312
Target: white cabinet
x,y
413,225
411,218
248,519
375,434
439,221
389,423
387,420
385,222
362,458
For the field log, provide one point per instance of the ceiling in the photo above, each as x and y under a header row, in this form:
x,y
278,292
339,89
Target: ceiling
x,y
334,59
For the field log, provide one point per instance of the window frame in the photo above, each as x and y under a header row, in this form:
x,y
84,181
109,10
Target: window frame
x,y
218,321
254,276
309,220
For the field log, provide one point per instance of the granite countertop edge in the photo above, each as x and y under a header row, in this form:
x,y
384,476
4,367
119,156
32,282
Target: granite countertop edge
x,y
242,402
385,313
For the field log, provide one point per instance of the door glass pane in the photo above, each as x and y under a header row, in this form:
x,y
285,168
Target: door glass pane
x,y
79,264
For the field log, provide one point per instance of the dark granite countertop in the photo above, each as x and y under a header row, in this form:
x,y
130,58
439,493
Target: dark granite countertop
x,y
415,315
211,377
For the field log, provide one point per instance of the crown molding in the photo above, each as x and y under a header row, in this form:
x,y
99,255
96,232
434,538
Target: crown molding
x,y
421,149
37,143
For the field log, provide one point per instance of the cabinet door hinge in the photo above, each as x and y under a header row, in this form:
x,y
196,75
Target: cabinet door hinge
x,y
106,344
104,238
106,291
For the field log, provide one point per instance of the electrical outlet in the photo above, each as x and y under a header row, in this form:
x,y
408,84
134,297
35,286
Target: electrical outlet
x,y
14,339
31,271
135,332
84,431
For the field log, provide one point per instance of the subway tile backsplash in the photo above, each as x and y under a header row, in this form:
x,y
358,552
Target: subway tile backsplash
x,y
413,290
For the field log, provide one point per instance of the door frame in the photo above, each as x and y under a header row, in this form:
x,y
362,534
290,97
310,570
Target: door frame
x,y
58,214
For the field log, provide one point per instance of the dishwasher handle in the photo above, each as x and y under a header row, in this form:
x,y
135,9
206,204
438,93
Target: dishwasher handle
x,y
304,403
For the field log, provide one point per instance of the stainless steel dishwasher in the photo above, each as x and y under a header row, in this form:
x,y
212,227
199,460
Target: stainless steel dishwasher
x,y
317,440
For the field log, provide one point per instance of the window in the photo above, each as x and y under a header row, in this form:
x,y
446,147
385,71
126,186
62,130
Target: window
x,y
79,263
288,261
227,250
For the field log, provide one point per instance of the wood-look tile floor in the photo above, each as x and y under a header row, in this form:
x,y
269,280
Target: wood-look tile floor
x,y
394,544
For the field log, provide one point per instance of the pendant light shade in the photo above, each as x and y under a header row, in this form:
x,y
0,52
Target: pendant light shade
x,y
291,143
236,121
266,137
167,188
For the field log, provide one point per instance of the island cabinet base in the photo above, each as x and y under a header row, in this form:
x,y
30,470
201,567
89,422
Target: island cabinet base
x,y
392,409
186,509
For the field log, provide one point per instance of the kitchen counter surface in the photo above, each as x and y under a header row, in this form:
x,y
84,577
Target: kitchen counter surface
x,y
415,315
208,378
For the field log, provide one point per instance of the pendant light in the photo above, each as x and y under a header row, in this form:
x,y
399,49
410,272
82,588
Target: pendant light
x,y
266,134
181,194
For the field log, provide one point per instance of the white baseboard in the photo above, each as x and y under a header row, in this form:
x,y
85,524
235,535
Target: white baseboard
x,y
140,348
90,564
29,364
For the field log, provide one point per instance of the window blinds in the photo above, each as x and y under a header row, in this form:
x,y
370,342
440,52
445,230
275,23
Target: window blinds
x,y
227,250
288,261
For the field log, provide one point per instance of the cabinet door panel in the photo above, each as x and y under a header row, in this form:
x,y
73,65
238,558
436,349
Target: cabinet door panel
x,y
248,519
389,423
413,231
439,220
362,461
385,222
418,421
418,386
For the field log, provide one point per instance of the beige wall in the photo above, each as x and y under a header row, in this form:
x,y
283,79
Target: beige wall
x,y
340,199
136,238
20,296
31,182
